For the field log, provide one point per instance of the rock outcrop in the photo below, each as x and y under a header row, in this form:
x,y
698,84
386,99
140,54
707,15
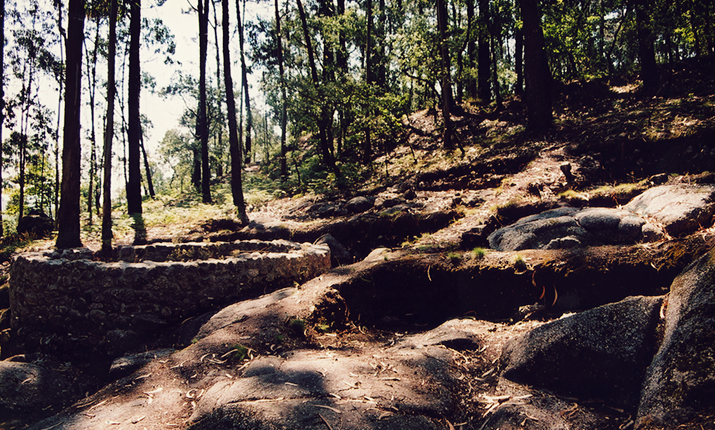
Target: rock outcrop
x,y
601,353
680,382
673,209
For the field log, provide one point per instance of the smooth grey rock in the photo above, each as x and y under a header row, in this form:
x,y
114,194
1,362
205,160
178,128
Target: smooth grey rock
x,y
682,208
680,382
600,353
358,204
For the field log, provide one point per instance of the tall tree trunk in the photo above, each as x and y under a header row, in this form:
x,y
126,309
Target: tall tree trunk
x,y
233,143
323,118
220,118
134,192
445,73
471,51
495,75
646,47
519,61
68,216
202,129
92,75
244,78
2,103
109,133
369,80
59,108
284,97
483,56
536,68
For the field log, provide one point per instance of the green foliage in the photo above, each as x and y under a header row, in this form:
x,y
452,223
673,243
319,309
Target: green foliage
x,y
479,253
239,352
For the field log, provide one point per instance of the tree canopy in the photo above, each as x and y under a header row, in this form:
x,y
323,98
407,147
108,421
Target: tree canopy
x,y
330,82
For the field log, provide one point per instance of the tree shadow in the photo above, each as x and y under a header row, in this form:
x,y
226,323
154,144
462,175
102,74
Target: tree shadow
x,y
140,237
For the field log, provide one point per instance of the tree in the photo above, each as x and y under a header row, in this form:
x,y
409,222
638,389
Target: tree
x,y
2,100
445,73
536,68
646,49
68,216
109,133
325,115
134,197
244,80
233,143
284,96
484,60
202,130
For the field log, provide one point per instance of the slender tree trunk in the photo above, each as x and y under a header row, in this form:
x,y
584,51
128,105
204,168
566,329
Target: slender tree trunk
x,y
109,133
233,143
324,118
202,129
519,61
134,196
221,119
369,80
68,215
244,78
147,170
536,68
445,73
471,51
2,103
59,109
92,75
495,75
484,60
284,97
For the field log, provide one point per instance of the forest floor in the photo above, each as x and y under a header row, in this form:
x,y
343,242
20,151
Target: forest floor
x,y
608,144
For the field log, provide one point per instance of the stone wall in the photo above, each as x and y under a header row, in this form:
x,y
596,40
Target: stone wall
x,y
64,301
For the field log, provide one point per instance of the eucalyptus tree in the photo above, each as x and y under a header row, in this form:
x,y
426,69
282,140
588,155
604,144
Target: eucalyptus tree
x,y
446,74
202,130
68,216
234,144
244,81
109,131
133,186
536,68
2,101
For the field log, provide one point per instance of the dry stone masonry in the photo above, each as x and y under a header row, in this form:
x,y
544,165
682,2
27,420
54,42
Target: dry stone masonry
x,y
68,301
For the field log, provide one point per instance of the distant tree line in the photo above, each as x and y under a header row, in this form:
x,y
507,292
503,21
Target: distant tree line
x,y
337,77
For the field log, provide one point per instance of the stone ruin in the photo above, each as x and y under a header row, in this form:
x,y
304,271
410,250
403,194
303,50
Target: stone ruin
x,y
71,303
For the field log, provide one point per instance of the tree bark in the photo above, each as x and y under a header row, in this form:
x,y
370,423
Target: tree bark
x,y
324,116
244,78
109,133
134,192
446,73
536,68
68,216
202,129
471,51
284,96
483,56
233,143
519,61
2,102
